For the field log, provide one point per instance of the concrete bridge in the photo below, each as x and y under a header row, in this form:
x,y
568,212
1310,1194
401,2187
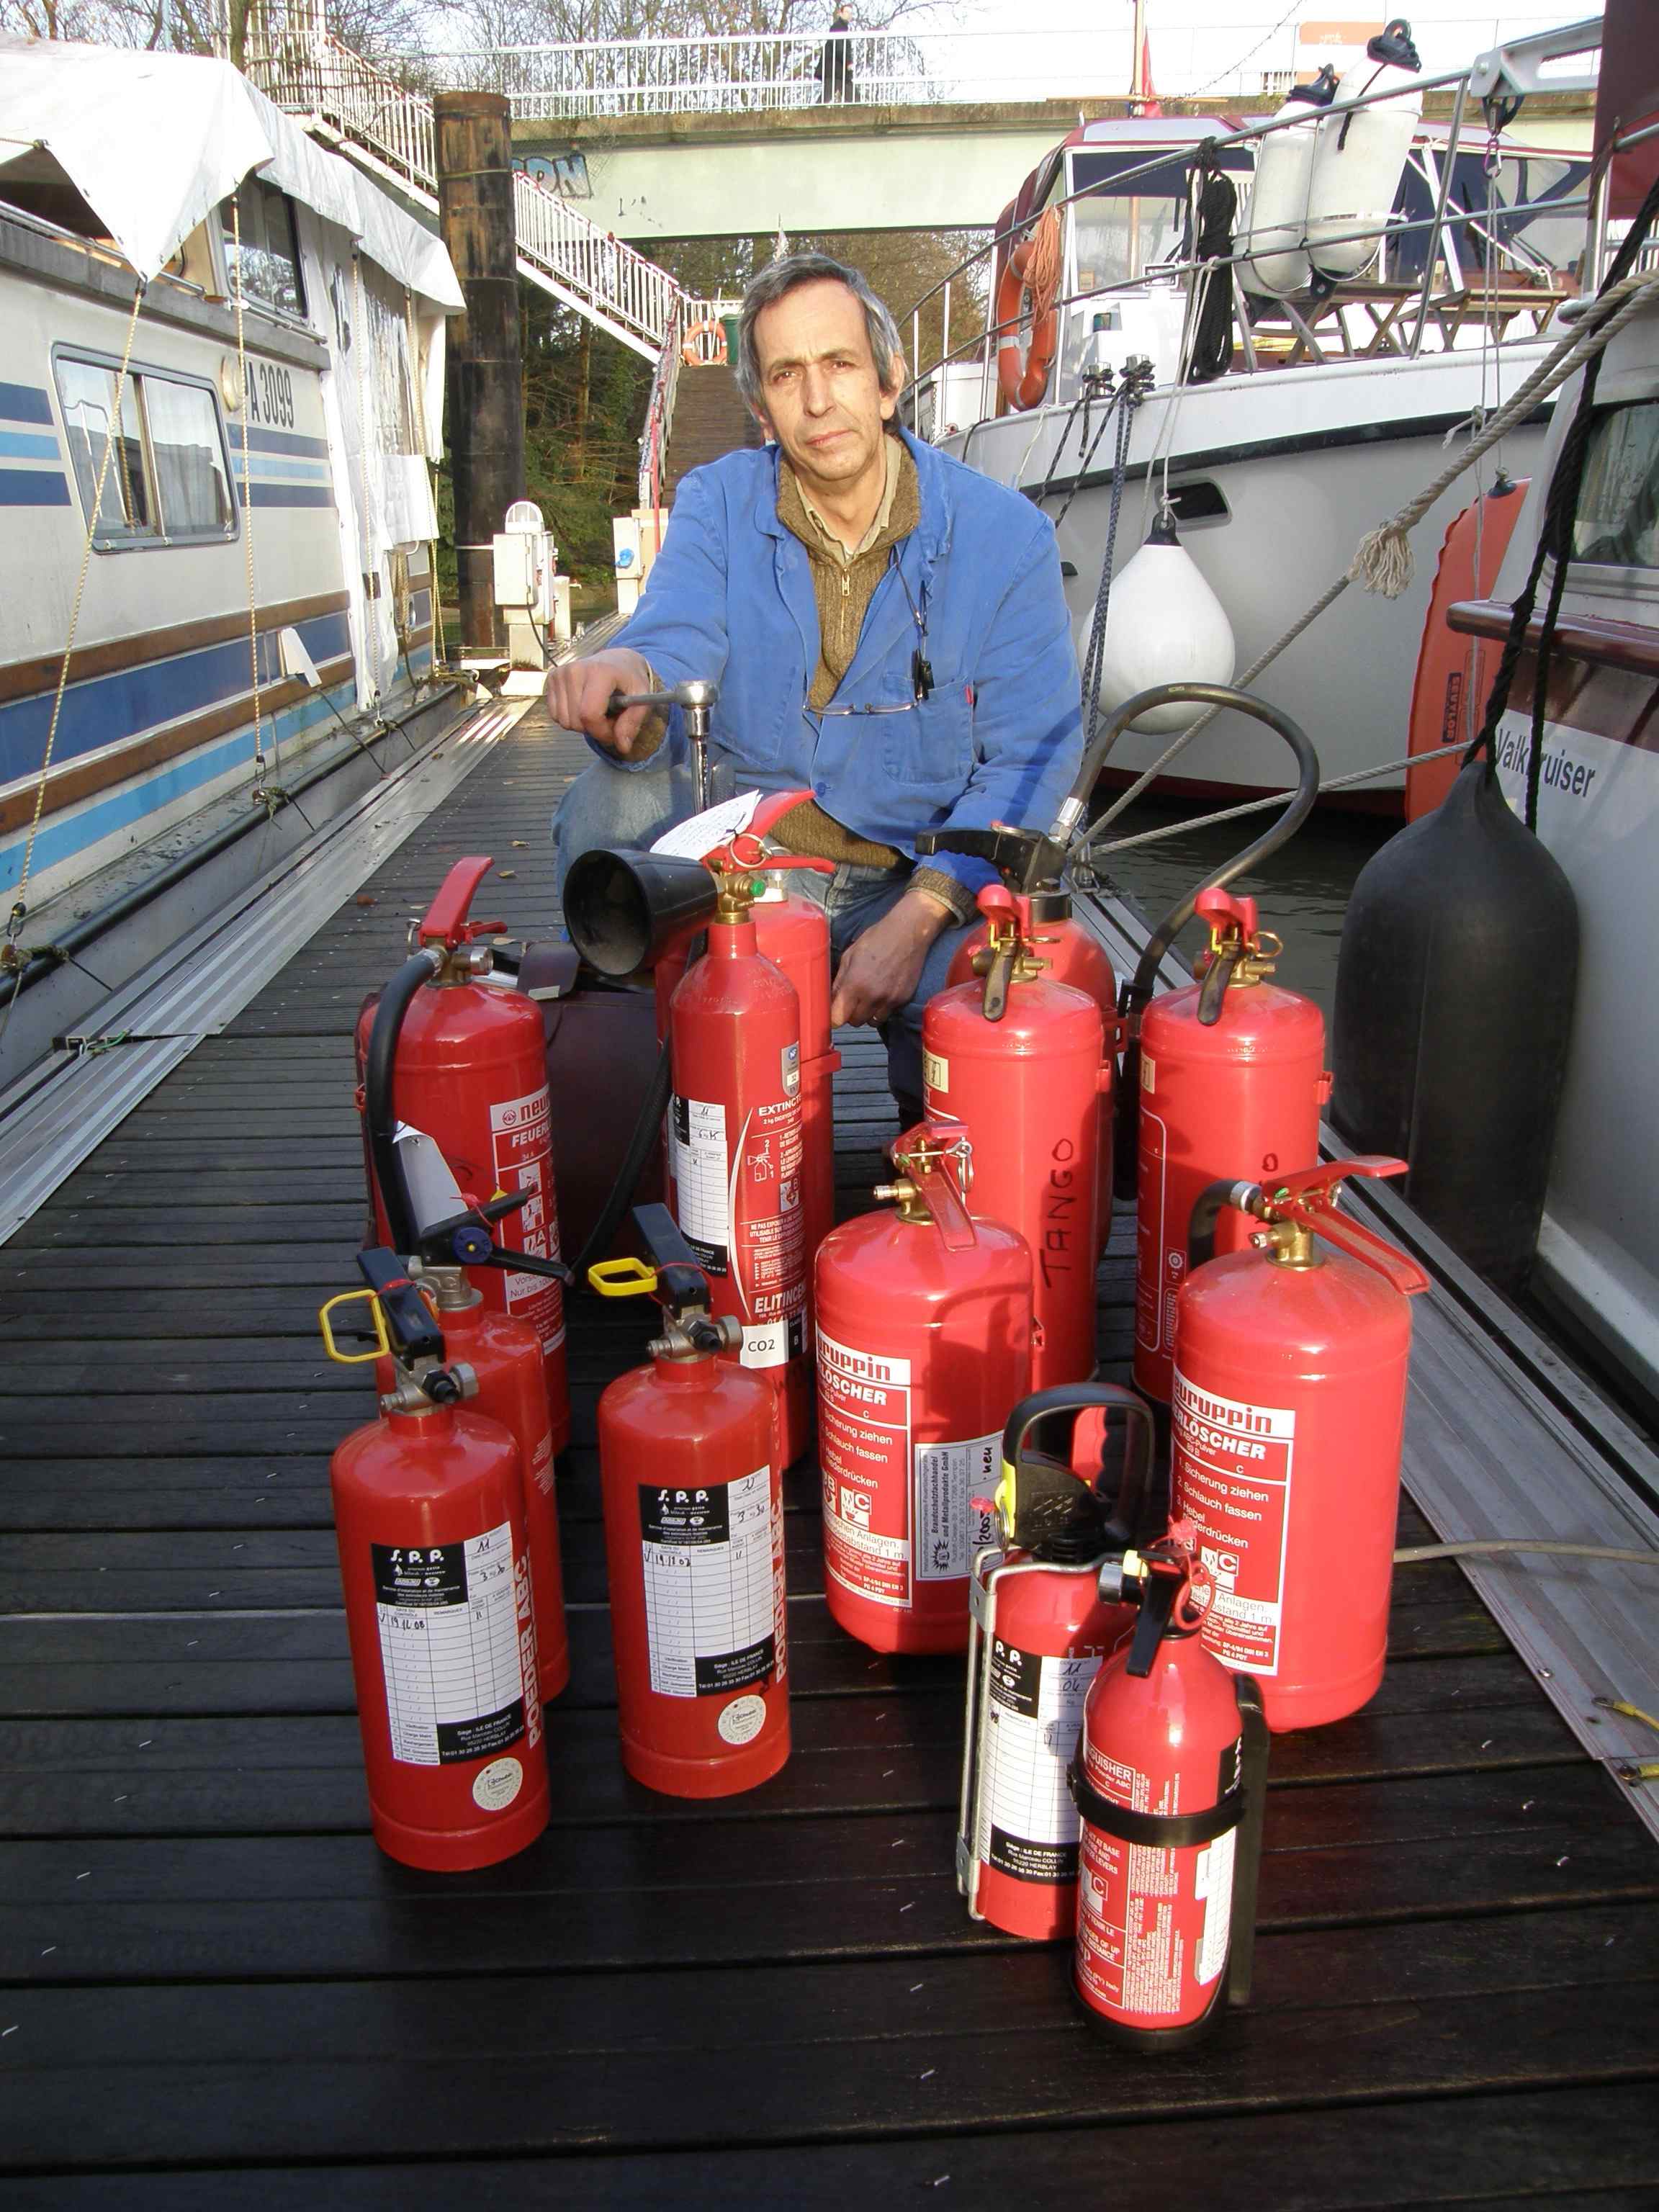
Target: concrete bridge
x,y
804,169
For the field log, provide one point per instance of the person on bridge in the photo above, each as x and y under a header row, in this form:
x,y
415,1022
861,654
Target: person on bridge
x,y
890,632
834,66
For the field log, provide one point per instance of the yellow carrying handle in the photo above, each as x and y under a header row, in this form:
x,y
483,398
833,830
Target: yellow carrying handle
x,y
382,1342
621,1278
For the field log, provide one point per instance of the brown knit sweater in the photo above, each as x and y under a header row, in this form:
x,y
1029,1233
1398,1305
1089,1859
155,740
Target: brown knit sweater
x,y
843,584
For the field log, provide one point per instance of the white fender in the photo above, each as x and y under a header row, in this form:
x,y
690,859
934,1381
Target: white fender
x,y
1278,196
1358,157
1164,625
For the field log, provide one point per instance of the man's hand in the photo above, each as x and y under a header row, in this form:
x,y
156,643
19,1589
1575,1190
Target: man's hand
x,y
579,691
880,971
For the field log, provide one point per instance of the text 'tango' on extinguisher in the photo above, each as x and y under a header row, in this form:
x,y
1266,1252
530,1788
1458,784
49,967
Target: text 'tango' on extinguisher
x,y
694,1541
1231,1077
924,1341
445,1052
1289,1413
1041,1629
1032,867
1171,1783
434,1561
1022,1064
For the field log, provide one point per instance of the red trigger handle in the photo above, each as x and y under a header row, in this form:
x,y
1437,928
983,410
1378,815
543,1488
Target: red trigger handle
x,y
1307,1197
445,919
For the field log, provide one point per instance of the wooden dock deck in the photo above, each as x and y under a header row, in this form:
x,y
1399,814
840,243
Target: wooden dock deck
x,y
218,1992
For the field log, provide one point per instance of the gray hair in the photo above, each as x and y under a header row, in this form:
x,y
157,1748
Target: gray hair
x,y
779,278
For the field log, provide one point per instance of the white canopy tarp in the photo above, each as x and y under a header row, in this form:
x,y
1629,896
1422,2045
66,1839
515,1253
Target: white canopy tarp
x,y
153,143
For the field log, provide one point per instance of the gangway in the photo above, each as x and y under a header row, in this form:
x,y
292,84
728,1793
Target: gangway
x,y
359,109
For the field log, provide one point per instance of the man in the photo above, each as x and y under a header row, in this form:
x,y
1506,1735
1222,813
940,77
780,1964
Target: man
x,y
890,633
834,66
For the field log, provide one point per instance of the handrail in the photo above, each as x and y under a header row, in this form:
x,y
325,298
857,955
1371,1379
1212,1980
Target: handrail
x,y
746,72
315,72
1245,135
1167,269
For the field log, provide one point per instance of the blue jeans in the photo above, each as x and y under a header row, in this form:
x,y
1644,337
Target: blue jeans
x,y
608,806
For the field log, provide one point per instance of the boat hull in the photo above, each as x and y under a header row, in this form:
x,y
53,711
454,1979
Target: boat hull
x,y
1282,473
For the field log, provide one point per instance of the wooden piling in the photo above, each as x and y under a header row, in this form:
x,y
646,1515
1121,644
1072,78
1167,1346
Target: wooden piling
x,y
484,383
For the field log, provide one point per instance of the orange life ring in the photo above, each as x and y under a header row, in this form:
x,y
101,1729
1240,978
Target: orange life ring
x,y
1022,379
688,353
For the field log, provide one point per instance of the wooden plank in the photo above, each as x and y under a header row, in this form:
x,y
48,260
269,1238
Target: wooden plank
x,y
1575,2148
753,1889
468,2103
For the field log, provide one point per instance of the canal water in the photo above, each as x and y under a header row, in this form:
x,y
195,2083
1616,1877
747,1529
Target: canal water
x,y
1302,889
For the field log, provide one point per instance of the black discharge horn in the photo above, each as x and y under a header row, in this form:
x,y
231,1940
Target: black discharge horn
x,y
623,907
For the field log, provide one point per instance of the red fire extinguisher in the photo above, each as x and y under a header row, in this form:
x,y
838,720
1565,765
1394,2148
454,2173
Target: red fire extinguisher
x,y
1289,1411
793,932
694,1541
1231,1077
923,1328
1070,954
735,1138
1041,1629
434,1560
1021,1063
628,910
445,1052
1170,1781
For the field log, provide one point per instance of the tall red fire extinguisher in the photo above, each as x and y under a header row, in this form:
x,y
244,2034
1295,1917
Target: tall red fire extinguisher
x,y
444,1053
1067,953
1169,1782
924,1335
628,910
694,1541
434,1560
1230,1076
735,1138
1041,1629
1289,1413
1021,1063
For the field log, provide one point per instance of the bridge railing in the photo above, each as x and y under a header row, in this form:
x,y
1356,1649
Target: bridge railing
x,y
744,74
1237,57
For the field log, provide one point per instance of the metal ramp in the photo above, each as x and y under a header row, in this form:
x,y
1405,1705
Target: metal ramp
x,y
349,104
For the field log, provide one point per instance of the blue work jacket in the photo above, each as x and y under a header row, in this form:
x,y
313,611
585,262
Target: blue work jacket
x,y
999,740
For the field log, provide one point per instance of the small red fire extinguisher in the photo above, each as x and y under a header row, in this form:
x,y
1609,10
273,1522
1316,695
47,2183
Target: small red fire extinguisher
x,y
1169,1782
1230,1076
1022,1064
694,1541
434,1560
462,1060
1289,1413
735,1138
923,1337
1041,1629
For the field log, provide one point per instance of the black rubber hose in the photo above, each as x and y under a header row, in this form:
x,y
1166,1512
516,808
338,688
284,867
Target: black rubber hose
x,y
1133,1000
379,1107
1208,1207
647,1129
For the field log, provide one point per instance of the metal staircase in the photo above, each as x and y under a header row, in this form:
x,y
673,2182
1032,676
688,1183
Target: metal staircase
x,y
347,102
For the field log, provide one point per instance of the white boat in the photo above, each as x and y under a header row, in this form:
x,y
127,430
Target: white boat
x,y
1598,813
260,569
1338,405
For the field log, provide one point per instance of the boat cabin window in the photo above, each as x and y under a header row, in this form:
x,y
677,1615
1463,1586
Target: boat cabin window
x,y
1127,224
1617,524
168,478
270,256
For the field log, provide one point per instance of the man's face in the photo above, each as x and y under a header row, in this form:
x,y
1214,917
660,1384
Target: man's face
x,y
822,397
